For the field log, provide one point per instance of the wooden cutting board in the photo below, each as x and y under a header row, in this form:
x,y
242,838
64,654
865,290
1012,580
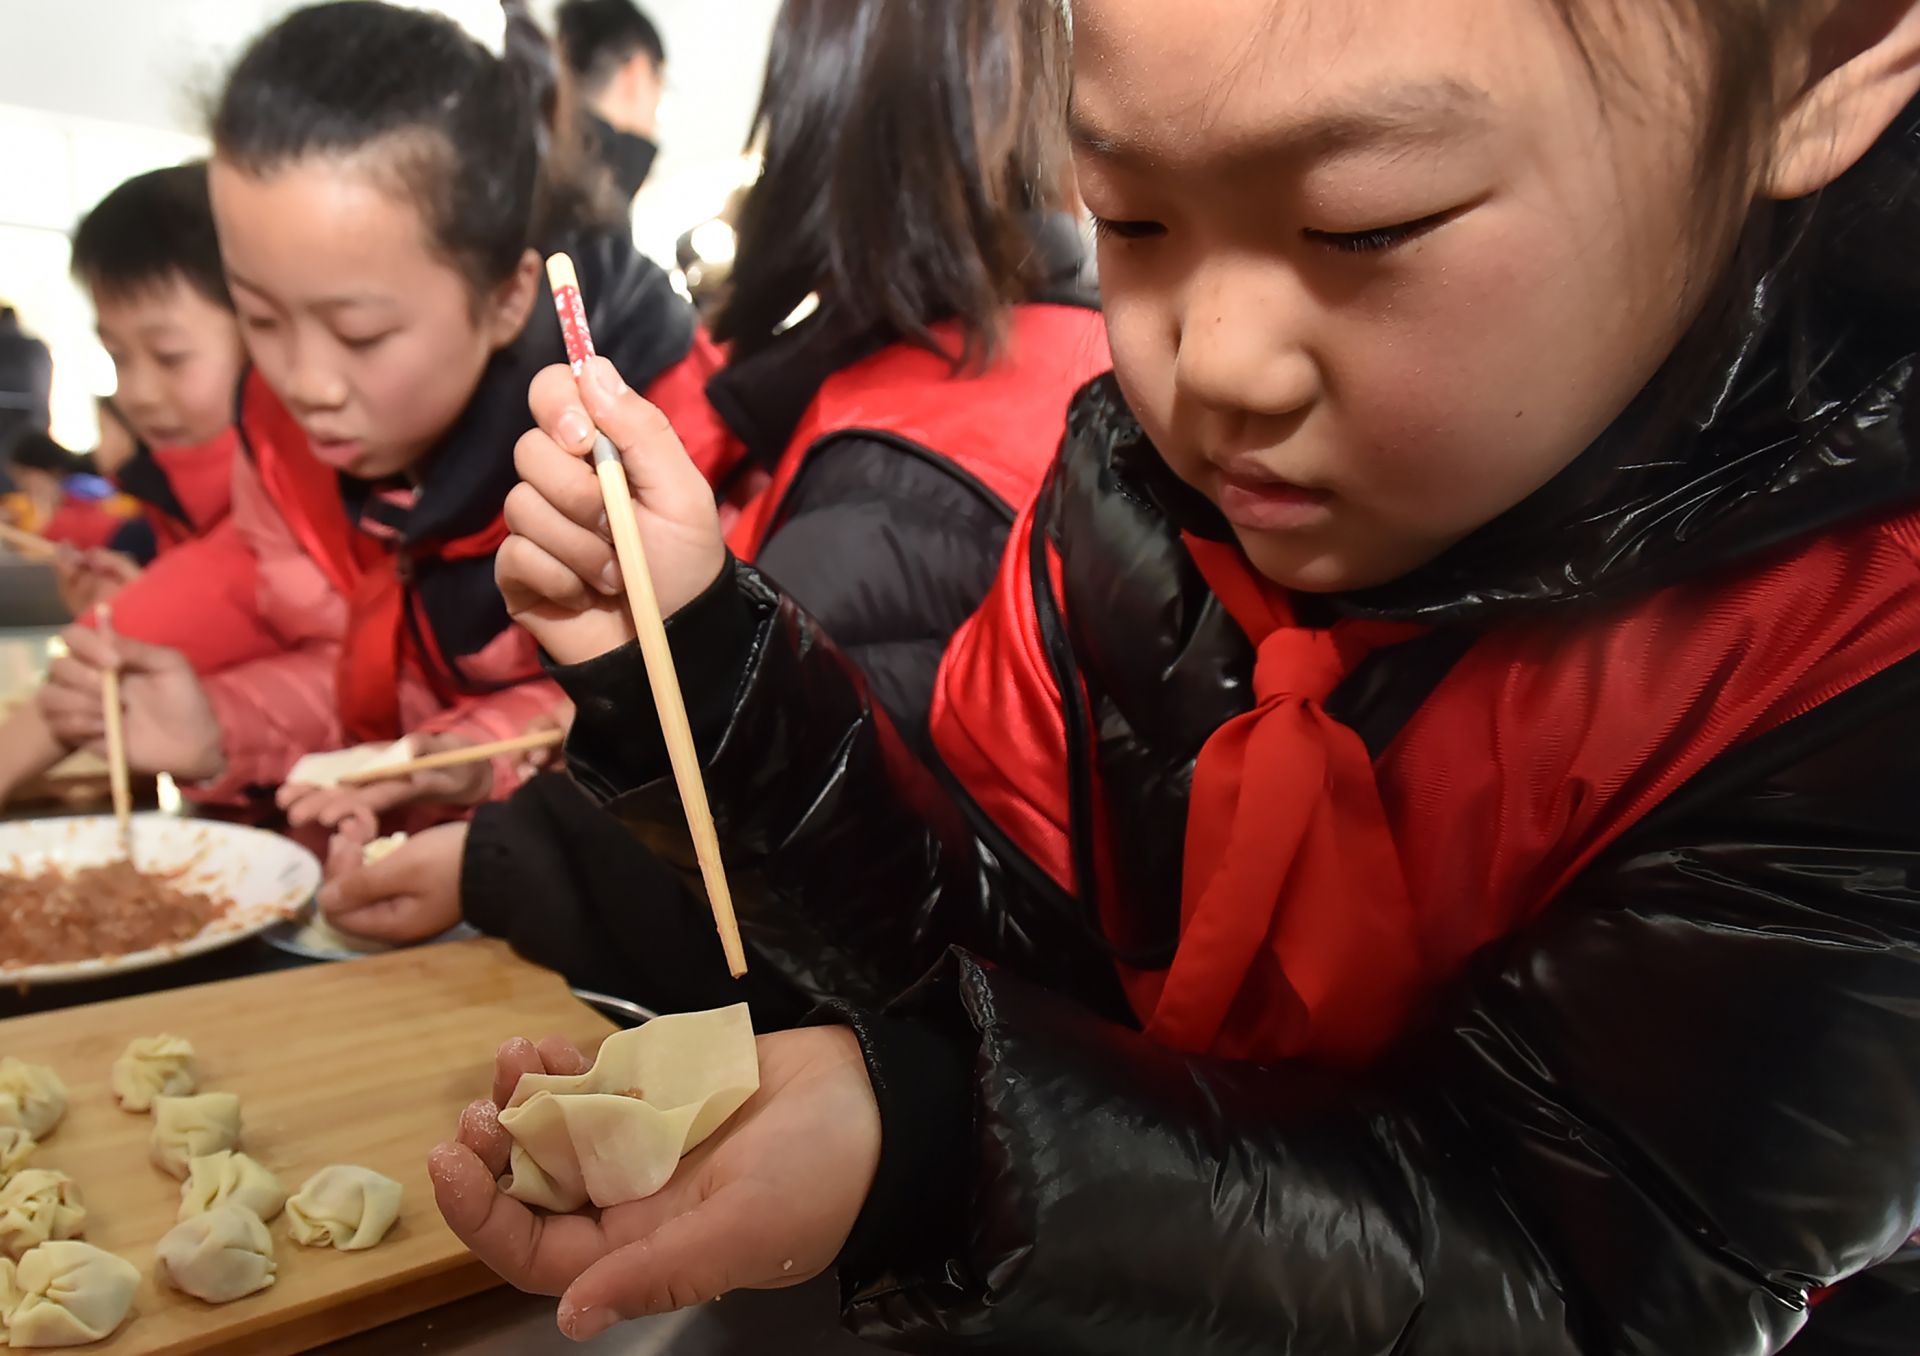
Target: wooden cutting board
x,y
367,1061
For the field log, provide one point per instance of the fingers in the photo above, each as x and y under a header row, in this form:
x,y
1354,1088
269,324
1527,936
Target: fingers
x,y
562,479
561,1057
582,550
528,578
520,1056
481,1131
516,1058
569,411
538,1253
87,648
75,717
719,1244
345,852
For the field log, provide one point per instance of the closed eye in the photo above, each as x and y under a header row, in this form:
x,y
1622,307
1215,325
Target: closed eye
x,y
1105,229
1381,238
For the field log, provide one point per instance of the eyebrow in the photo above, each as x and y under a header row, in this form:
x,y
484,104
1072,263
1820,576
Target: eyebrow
x,y
324,304
1393,116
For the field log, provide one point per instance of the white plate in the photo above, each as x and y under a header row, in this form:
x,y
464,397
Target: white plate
x,y
266,877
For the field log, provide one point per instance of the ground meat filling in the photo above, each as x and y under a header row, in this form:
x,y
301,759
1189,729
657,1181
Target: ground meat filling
x,y
98,911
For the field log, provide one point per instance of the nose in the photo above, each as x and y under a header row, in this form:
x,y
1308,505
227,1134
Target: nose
x,y
312,382
1244,341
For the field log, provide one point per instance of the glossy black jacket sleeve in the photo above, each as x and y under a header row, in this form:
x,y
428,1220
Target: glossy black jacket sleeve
x,y
1649,1122
852,867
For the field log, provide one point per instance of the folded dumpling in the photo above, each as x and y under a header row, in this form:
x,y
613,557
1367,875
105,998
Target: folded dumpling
x,y
616,1133
150,1067
32,1097
218,1256
38,1204
344,1207
186,1128
229,1178
16,1148
65,1294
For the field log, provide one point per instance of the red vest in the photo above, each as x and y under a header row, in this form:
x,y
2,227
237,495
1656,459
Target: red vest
x,y
1001,426
1547,741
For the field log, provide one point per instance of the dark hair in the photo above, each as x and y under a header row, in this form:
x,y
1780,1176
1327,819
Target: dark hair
x,y
598,37
909,145
38,451
154,228
442,120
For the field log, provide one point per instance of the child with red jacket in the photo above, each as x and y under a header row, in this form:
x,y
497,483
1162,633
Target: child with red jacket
x,y
1425,861
384,196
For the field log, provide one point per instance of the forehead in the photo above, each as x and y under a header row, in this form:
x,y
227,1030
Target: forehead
x,y
168,303
1183,76
318,228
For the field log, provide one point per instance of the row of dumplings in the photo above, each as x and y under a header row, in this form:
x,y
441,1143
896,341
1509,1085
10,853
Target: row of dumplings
x,y
56,1291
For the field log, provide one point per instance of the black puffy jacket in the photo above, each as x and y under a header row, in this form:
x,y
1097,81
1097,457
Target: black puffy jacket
x,y
891,551
1658,1118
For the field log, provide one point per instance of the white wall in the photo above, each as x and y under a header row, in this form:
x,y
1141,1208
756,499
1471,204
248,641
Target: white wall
x,y
93,91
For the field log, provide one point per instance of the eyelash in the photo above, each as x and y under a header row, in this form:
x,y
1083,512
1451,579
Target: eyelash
x,y
1103,229
1381,239
1375,241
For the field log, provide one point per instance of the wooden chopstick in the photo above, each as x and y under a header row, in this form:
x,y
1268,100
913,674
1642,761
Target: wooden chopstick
x,y
28,544
476,753
650,629
117,778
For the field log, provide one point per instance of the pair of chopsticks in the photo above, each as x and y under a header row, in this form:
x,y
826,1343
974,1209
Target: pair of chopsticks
x,y
29,544
476,753
649,627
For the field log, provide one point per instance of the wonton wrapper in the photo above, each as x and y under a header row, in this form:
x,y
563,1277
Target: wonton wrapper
x,y
615,1133
218,1256
150,1067
382,848
186,1128
65,1295
32,1097
16,1148
326,769
346,1207
229,1178
38,1204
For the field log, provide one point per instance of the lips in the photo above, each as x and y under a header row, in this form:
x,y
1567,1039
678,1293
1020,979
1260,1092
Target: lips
x,y
338,453
1252,499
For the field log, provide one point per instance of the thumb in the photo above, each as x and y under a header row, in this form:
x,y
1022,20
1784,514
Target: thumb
x,y
137,656
721,1244
657,465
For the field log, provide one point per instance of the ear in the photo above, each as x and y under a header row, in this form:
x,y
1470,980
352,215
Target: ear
x,y
1862,68
506,310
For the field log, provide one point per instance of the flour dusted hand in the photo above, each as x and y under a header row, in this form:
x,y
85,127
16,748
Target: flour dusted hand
x,y
38,1204
65,1294
218,1256
229,1178
185,1128
150,1067
344,1207
32,1097
615,1133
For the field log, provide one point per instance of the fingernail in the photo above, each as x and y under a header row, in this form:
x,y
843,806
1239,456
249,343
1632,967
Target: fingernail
x,y
607,378
582,1323
610,580
576,430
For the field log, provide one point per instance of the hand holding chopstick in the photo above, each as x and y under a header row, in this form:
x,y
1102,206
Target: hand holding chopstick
x,y
650,626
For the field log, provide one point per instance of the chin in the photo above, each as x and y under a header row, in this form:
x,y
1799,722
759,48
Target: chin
x,y
1304,568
